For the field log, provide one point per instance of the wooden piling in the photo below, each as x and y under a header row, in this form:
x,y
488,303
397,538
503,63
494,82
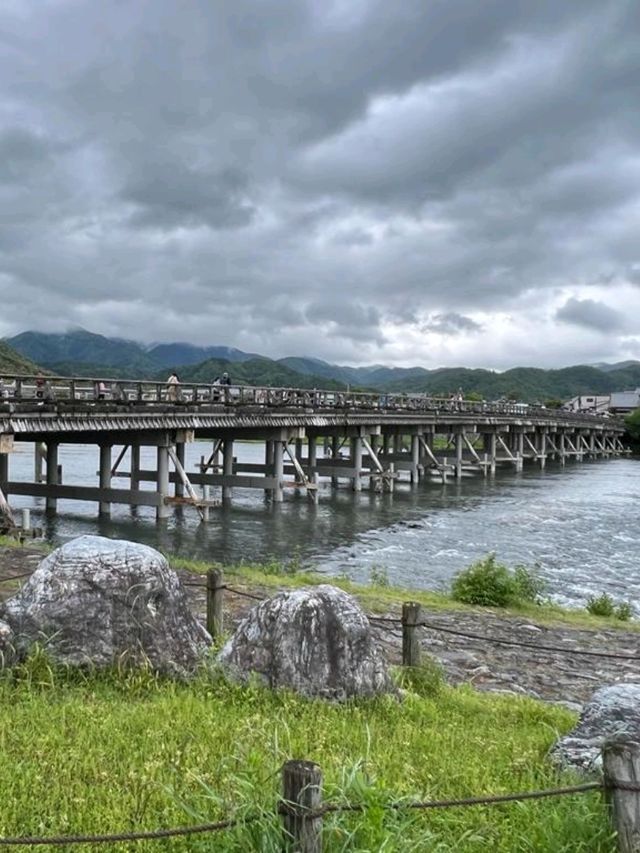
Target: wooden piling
x,y
621,765
301,802
410,638
215,599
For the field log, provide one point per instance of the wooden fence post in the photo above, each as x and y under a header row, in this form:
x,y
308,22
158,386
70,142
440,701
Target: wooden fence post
x,y
215,594
301,794
410,638
621,763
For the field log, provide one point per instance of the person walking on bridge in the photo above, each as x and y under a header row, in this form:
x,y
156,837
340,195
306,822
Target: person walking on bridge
x,y
173,391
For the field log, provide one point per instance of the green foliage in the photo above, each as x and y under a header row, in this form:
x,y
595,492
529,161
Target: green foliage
x,y
12,362
605,605
102,752
491,584
378,576
632,422
424,680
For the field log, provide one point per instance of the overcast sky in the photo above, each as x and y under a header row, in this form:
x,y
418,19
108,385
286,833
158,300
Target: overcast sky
x,y
435,182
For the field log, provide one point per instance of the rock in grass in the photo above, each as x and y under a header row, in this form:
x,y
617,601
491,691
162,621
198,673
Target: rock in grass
x,y
7,645
99,602
610,711
316,641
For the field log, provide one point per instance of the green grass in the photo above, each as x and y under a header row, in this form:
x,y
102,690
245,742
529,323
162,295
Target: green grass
x,y
113,752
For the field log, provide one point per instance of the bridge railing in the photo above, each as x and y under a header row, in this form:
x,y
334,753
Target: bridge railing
x,y
33,392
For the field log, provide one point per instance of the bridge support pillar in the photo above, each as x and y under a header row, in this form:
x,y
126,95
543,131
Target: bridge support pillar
x,y
52,474
520,450
135,467
162,482
560,445
4,472
180,454
356,462
542,448
459,444
278,470
299,449
312,459
227,468
335,450
415,458
39,457
104,507
490,443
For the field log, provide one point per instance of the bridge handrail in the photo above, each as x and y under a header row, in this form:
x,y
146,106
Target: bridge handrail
x,y
41,389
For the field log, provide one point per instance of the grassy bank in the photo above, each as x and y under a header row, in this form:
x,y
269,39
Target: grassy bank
x,y
376,597
121,752
381,597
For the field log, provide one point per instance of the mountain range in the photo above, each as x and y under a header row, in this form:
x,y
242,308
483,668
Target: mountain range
x,y
81,352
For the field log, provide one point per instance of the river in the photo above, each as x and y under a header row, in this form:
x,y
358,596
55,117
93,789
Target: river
x,y
580,524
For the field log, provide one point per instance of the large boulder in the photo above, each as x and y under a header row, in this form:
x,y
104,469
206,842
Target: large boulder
x,y
98,601
7,645
316,641
611,711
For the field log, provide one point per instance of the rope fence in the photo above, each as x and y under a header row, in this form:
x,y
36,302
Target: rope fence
x,y
410,620
301,810
301,807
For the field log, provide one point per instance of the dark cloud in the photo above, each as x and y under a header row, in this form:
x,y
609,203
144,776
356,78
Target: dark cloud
x,y
297,176
450,324
591,315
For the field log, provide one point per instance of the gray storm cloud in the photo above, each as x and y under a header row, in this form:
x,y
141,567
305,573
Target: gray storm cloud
x,y
298,177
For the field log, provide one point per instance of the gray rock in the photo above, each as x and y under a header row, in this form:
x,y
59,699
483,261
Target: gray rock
x,y
98,601
611,711
316,641
7,645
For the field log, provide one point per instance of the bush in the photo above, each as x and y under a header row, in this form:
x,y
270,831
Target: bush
x,y
486,582
378,576
491,584
604,605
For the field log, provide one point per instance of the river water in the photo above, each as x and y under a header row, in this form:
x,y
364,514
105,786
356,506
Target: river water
x,y
580,524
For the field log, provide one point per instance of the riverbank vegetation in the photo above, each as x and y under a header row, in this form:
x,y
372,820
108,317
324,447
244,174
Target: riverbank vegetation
x,y
380,596
91,753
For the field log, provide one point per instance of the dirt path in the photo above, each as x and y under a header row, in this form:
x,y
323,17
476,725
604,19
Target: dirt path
x,y
559,676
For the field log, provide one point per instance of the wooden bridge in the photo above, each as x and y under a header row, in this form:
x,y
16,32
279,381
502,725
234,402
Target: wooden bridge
x,y
310,437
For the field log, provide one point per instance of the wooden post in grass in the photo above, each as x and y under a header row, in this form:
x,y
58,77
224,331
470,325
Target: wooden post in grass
x,y
621,765
301,802
215,594
410,638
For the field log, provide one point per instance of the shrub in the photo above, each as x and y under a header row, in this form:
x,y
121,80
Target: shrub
x,y
491,584
378,576
485,582
528,585
601,605
604,605
623,611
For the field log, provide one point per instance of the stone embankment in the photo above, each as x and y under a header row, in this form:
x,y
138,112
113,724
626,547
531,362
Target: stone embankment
x,y
556,676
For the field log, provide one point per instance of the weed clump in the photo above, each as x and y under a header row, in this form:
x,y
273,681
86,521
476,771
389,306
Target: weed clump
x,y
491,584
604,605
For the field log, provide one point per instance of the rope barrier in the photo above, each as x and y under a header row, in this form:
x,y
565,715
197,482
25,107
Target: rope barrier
x,y
243,594
544,648
469,635
487,800
16,577
293,809
112,838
